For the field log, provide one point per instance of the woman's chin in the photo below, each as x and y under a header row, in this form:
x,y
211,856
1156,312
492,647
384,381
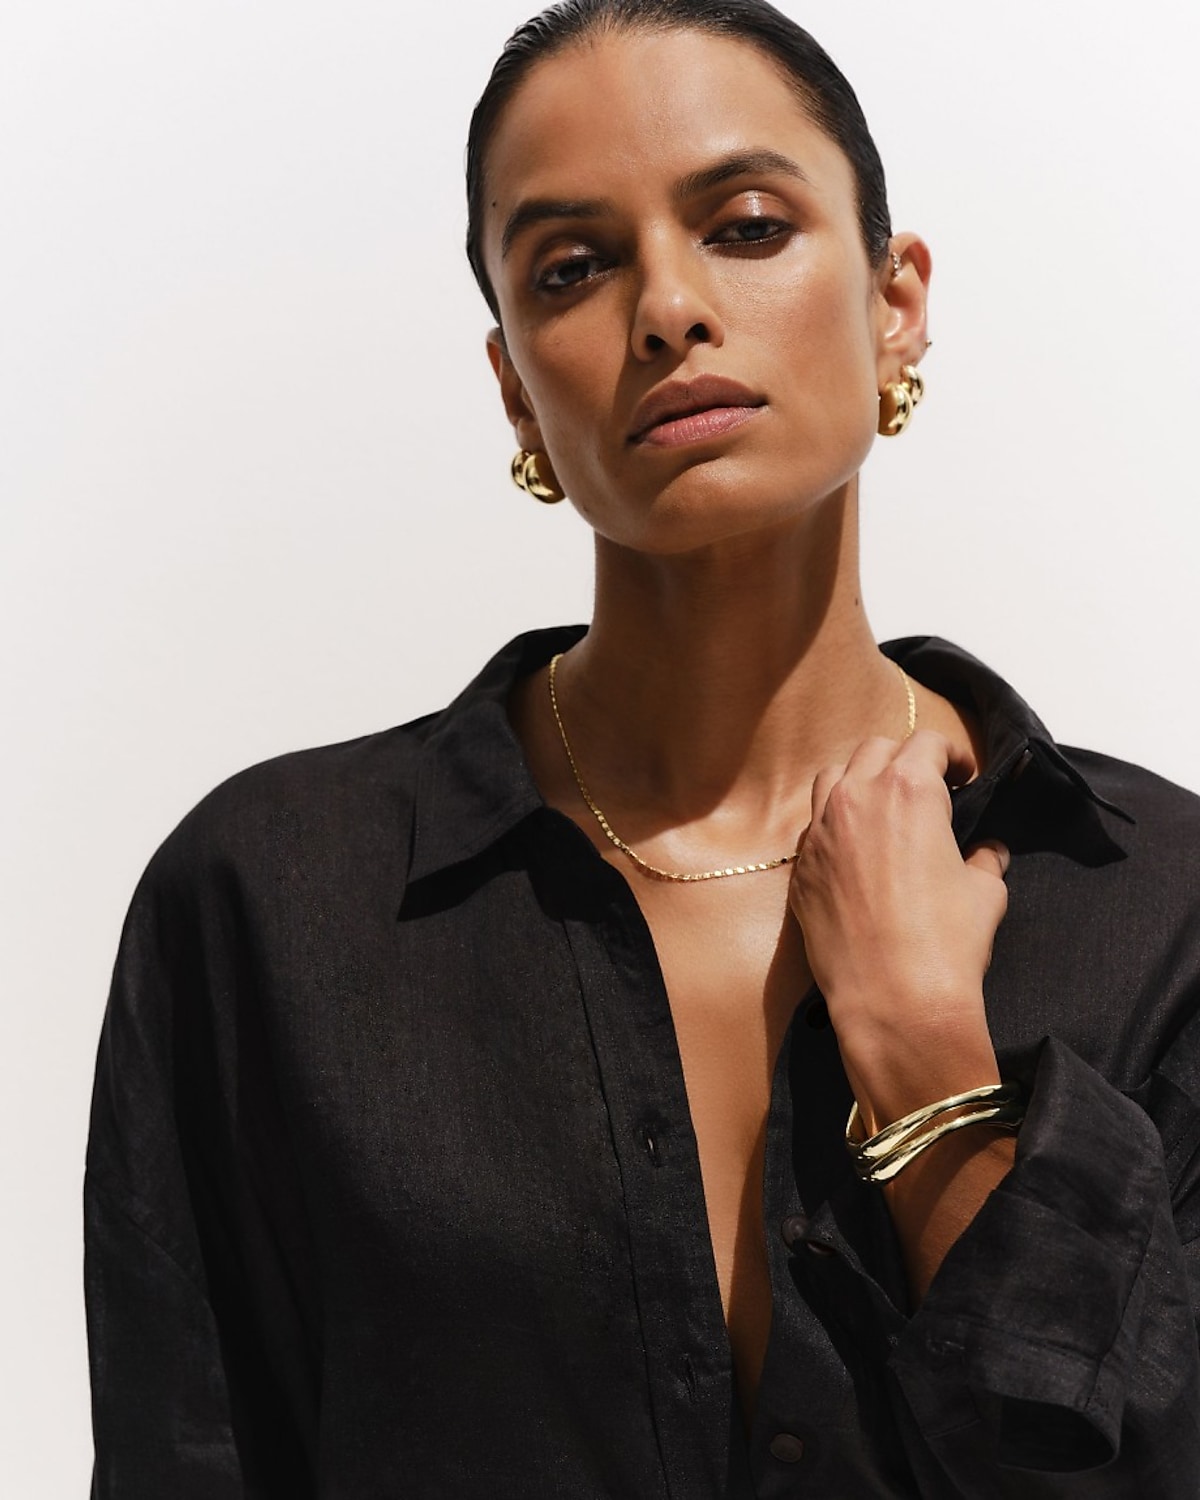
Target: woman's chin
x,y
691,515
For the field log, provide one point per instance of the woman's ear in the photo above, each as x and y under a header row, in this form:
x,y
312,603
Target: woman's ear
x,y
512,392
902,290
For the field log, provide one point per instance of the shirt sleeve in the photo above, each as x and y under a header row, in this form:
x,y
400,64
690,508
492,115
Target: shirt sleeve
x,y
196,1356
1056,1350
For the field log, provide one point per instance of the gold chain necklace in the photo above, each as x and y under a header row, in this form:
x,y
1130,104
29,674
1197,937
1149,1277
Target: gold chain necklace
x,y
678,875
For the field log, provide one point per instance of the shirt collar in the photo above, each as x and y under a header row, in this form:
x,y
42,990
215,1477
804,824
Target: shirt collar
x,y
1030,793
473,784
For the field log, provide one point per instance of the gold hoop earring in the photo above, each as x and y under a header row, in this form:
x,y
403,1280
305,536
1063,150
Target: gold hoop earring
x,y
527,476
899,399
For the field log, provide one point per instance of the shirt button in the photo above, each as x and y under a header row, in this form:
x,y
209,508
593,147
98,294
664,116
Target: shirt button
x,y
1024,761
787,1448
793,1228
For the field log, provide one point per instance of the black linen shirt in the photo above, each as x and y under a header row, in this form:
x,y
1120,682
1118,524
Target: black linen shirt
x,y
392,1189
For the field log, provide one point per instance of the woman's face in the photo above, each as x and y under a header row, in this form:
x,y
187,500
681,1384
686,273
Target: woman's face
x,y
671,237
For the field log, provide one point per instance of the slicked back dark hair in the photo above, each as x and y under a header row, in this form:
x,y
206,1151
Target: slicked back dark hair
x,y
820,85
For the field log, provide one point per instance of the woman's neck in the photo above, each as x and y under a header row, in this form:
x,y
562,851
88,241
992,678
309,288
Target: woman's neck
x,y
719,683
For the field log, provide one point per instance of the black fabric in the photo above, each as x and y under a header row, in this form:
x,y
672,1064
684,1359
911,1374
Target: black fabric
x,y
392,1188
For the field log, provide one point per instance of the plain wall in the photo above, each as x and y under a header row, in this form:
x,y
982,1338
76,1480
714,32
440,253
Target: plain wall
x,y
253,465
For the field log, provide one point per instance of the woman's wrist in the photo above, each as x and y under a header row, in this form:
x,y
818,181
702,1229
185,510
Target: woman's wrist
x,y
895,1069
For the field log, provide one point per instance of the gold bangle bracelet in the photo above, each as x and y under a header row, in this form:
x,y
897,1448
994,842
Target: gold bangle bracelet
x,y
881,1156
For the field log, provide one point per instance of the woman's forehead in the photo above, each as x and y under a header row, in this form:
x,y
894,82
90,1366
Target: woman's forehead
x,y
619,108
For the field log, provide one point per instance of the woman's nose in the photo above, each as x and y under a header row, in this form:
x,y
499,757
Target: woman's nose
x,y
674,308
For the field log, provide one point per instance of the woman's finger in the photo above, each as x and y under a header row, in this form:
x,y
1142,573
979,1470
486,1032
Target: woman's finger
x,y
825,782
930,749
872,755
927,747
990,856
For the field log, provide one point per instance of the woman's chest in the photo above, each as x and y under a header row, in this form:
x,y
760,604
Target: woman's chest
x,y
734,969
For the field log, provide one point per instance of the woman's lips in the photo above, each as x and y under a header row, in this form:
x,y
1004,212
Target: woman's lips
x,y
697,426
671,403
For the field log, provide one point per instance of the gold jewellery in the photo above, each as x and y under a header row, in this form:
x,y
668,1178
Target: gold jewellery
x,y
677,875
527,475
878,1158
899,399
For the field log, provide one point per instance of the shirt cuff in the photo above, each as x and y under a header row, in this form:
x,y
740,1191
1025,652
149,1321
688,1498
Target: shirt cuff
x,y
1032,1319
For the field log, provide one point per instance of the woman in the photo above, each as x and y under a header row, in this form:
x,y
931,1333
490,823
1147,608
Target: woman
x,y
471,1109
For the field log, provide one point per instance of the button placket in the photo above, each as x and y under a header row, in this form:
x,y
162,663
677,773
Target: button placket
x,y
677,1296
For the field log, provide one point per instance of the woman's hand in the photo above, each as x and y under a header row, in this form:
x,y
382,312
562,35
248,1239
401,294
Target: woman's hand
x,y
898,926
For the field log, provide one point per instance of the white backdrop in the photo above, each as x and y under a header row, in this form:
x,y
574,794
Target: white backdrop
x,y
252,461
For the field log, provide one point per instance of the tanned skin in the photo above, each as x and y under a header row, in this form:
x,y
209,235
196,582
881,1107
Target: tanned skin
x,y
730,698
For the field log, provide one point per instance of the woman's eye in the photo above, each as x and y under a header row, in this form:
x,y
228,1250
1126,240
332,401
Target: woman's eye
x,y
564,275
755,231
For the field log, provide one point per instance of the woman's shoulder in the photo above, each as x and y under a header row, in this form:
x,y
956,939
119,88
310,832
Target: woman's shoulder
x,y
1131,841
332,805
1145,795
1162,817
323,804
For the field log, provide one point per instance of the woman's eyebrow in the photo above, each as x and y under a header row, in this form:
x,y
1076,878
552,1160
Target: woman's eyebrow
x,y
760,162
539,210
